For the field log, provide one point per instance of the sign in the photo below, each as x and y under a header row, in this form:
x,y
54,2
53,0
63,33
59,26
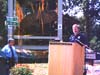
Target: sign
x,y
12,21
12,18
90,56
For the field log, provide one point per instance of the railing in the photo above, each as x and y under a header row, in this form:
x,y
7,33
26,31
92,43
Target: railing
x,y
34,37
34,47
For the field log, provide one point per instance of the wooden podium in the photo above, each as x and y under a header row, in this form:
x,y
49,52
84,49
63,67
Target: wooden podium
x,y
65,58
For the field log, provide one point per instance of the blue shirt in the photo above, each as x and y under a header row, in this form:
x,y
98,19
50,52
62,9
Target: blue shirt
x,y
81,37
7,51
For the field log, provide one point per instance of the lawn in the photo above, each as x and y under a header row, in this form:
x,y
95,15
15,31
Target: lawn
x,y
37,68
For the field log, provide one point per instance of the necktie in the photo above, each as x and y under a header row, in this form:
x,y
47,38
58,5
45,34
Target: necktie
x,y
12,52
12,60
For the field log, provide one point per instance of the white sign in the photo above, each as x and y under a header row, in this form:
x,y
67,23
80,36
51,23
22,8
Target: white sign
x,y
90,56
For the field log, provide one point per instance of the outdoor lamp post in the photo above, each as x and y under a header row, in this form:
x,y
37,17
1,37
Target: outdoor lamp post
x,y
60,20
9,18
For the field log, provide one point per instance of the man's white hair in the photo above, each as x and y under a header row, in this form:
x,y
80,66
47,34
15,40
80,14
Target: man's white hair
x,y
10,39
76,25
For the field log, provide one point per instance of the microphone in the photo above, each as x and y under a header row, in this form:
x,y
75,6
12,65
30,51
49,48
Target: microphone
x,y
79,42
82,44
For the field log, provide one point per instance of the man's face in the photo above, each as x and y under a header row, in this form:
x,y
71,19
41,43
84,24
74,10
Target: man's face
x,y
75,30
12,42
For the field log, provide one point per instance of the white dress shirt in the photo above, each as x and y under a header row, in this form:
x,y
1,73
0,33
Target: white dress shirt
x,y
7,51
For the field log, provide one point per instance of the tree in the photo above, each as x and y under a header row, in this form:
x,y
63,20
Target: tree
x,y
89,11
3,31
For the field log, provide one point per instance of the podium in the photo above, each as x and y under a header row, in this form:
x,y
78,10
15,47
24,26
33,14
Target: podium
x,y
65,58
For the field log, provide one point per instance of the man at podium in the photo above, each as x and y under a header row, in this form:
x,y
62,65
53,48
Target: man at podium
x,y
77,36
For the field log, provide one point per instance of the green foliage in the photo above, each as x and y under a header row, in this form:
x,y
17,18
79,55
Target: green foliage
x,y
3,31
95,43
3,6
20,71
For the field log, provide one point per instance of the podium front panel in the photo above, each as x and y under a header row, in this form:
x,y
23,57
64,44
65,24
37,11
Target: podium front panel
x,y
65,59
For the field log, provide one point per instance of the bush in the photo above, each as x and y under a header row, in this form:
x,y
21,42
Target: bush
x,y
20,71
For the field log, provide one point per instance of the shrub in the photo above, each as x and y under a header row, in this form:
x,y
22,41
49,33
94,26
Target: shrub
x,y
20,71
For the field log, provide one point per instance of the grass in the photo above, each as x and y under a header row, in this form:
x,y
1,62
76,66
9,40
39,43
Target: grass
x,y
37,68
